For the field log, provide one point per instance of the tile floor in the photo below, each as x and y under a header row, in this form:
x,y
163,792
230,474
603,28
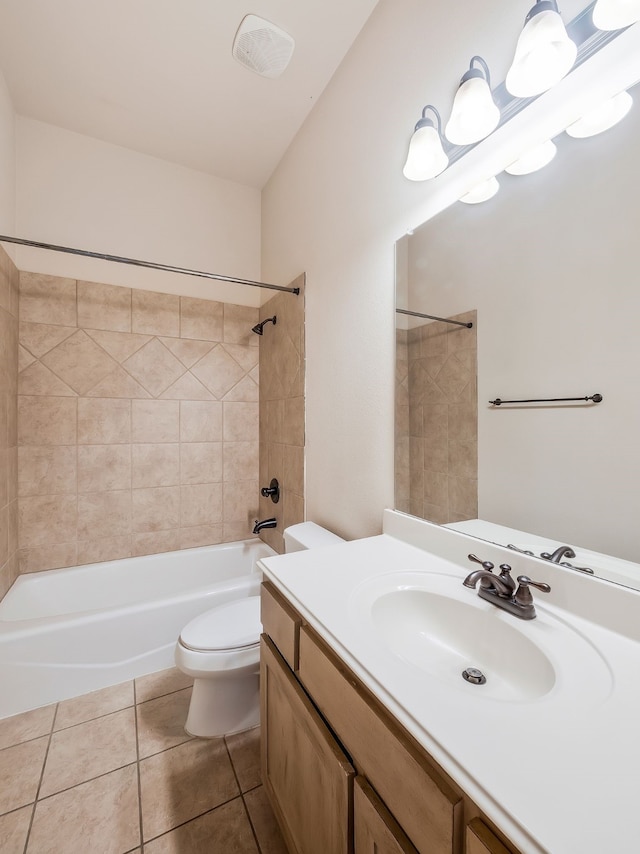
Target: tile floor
x,y
114,772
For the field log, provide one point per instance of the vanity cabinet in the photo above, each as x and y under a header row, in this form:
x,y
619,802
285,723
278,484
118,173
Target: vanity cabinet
x,y
341,773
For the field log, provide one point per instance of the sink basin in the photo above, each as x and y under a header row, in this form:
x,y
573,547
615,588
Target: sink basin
x,y
445,636
431,624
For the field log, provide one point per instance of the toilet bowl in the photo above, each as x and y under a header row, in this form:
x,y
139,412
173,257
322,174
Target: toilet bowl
x,y
220,649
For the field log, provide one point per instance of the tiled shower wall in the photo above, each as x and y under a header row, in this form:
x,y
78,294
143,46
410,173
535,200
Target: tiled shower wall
x,y
282,369
8,422
137,422
437,421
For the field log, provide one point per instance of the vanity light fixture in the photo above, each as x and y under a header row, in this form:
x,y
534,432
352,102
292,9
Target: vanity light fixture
x,y
533,159
474,113
616,14
482,192
426,157
544,53
602,117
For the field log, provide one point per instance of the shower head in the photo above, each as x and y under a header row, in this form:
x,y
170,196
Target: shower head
x,y
259,327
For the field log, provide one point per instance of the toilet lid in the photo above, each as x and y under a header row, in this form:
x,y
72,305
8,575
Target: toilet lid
x,y
230,626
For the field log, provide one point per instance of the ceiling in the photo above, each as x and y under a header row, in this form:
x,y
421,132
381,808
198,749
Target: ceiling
x,y
158,76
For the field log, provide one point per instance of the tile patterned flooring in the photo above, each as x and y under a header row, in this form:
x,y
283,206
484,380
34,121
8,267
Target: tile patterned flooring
x,y
114,772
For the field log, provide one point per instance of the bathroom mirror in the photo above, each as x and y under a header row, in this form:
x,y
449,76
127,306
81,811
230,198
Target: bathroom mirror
x,y
550,266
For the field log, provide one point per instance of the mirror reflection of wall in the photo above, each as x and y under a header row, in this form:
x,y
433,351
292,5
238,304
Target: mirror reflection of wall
x,y
551,266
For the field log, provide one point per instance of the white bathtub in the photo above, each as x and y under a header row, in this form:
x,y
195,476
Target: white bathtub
x,y
65,632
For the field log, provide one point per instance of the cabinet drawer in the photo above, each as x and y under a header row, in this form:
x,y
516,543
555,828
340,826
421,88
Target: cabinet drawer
x,y
428,808
375,829
281,622
481,840
306,775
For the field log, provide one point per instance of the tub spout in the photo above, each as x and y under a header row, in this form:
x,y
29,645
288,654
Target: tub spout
x,y
265,523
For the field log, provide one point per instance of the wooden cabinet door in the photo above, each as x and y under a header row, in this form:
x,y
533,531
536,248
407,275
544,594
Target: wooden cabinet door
x,y
481,840
375,829
307,777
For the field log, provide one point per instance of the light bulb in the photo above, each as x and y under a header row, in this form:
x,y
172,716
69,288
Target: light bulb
x,y
533,159
474,114
602,117
426,157
616,14
482,192
544,53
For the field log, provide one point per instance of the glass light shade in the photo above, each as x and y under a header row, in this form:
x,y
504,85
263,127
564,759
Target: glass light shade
x,y
616,14
602,117
474,114
482,193
426,157
544,55
533,159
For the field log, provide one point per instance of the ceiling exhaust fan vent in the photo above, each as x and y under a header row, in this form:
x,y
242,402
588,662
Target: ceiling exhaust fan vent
x,y
262,47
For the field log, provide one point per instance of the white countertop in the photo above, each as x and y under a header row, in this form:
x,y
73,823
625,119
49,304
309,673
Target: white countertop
x,y
559,773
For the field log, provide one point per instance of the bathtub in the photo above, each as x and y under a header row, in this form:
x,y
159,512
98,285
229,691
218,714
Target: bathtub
x,y
66,632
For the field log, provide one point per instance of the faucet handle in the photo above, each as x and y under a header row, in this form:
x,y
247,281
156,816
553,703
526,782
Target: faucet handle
x,y
523,594
485,564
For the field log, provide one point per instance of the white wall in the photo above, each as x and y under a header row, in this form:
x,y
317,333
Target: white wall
x,y
76,191
7,164
335,206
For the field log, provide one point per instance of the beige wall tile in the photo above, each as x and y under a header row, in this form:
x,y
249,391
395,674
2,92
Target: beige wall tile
x,y
109,548
155,421
104,421
241,461
118,383
48,557
244,354
245,390
201,318
47,470
47,421
202,535
200,504
234,531
293,469
240,422
200,421
47,299
155,465
294,421
39,338
155,542
104,514
187,388
155,509
46,519
154,367
39,380
155,314
79,362
218,371
293,509
4,535
201,462
189,352
104,467
104,307
241,501
120,345
238,321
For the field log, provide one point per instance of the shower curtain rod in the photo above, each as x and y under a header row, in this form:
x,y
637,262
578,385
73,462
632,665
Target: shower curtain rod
x,y
149,264
433,317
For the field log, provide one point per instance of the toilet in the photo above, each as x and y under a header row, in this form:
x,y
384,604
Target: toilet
x,y
220,649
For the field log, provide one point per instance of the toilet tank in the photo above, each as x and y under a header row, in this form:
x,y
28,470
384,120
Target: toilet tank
x,y
308,535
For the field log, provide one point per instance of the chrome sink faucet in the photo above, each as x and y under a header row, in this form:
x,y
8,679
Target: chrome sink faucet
x,y
501,589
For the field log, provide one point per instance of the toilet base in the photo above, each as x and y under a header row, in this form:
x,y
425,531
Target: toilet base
x,y
224,704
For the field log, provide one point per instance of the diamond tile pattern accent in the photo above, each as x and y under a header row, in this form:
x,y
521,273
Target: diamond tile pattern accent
x,y
132,398
73,782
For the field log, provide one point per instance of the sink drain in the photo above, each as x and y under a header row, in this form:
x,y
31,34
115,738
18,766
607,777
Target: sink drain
x,y
474,676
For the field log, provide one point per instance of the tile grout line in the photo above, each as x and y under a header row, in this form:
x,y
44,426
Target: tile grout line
x,y
135,714
44,764
244,805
